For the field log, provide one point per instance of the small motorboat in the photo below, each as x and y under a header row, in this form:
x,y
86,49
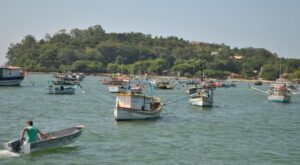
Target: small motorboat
x,y
61,88
54,139
215,83
258,83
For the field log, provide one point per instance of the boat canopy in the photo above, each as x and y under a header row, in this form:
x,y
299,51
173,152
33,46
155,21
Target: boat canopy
x,y
145,85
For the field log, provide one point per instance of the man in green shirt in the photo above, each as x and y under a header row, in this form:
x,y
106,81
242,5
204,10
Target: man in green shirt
x,y
31,134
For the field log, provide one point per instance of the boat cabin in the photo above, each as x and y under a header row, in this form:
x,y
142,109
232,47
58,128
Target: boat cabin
x,y
279,89
138,102
11,72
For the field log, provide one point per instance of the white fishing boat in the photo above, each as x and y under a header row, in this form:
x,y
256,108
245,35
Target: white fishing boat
x,y
279,93
69,76
11,76
192,87
54,139
115,89
137,104
202,98
61,88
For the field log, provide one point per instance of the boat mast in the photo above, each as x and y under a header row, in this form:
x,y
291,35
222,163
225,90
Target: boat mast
x,y
122,67
280,69
140,51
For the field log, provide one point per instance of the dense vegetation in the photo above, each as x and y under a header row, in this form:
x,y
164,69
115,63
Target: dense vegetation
x,y
92,50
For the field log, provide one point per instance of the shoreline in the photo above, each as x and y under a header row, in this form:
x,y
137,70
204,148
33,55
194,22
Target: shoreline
x,y
165,77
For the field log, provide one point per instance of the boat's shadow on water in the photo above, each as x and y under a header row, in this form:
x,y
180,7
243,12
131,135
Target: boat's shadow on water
x,y
135,122
205,108
172,119
163,119
61,150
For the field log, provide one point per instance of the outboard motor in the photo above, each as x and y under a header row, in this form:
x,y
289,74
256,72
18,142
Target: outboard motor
x,y
14,145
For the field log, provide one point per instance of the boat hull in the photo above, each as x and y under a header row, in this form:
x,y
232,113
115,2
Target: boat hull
x,y
11,81
164,87
279,99
56,90
133,114
114,89
200,101
57,139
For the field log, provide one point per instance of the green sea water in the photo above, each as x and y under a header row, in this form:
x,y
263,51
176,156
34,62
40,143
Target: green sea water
x,y
241,128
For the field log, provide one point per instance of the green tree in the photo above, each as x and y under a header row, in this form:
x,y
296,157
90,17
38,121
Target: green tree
x,y
296,75
270,72
113,68
87,66
94,50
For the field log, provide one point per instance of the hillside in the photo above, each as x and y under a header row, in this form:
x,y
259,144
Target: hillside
x,y
92,50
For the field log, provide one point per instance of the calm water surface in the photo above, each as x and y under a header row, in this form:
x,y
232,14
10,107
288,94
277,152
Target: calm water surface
x,y
242,127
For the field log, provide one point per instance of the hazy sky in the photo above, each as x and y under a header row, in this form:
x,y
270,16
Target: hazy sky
x,y
273,24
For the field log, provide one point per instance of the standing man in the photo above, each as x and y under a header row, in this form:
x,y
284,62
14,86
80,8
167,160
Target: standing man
x,y
31,134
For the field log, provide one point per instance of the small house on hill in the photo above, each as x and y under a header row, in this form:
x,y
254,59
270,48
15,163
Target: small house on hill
x,y
237,57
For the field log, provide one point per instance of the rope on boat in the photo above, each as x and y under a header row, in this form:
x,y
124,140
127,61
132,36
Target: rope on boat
x,y
175,100
96,89
266,92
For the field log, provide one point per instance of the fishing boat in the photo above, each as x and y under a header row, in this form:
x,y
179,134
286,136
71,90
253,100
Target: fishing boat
x,y
215,83
163,84
54,139
11,76
192,87
61,87
115,89
290,85
279,93
203,97
137,102
258,83
69,76
80,76
113,81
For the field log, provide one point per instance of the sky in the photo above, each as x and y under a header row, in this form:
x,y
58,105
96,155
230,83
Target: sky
x,y
270,24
